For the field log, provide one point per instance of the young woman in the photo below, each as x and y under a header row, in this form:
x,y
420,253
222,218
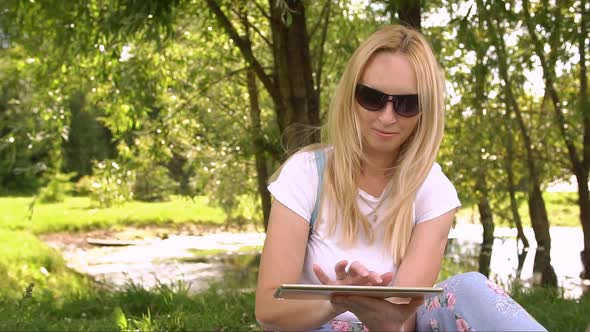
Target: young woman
x,y
379,211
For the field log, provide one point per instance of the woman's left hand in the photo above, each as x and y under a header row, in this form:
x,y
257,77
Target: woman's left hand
x,y
378,314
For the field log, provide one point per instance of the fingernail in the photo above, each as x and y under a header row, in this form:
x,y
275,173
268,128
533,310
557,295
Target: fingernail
x,y
379,280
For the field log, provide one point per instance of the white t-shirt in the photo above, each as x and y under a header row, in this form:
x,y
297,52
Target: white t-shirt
x,y
296,187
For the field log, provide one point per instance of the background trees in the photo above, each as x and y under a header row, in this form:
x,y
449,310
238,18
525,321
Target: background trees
x,y
208,97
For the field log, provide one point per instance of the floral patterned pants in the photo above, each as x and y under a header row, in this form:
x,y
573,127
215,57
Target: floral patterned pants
x,y
470,302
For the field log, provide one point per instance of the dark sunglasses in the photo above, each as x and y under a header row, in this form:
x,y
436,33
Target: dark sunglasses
x,y
375,100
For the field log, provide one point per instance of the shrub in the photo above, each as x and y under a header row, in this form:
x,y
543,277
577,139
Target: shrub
x,y
153,183
111,184
57,188
83,186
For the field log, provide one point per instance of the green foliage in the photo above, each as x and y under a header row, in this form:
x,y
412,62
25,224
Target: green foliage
x,y
27,294
120,318
159,87
83,186
57,189
111,184
88,138
153,184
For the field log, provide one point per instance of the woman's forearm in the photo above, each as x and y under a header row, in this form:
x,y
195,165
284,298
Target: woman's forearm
x,y
293,314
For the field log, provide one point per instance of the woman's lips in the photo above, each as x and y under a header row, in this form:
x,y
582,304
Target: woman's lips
x,y
385,134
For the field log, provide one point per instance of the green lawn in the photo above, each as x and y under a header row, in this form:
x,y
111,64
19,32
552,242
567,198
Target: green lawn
x,y
64,300
78,213
562,209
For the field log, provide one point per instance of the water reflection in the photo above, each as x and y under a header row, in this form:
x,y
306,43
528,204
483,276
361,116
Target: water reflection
x,y
234,258
509,261
194,260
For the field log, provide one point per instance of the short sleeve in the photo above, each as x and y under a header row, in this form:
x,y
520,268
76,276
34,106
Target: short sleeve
x,y
296,185
436,196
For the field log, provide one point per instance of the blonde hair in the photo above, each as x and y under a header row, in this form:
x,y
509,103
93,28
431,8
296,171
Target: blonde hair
x,y
415,157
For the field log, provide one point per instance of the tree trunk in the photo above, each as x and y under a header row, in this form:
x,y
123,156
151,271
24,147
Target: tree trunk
x,y
540,223
512,192
583,168
408,12
580,166
537,209
481,185
293,74
181,172
487,221
486,218
584,203
521,258
261,170
256,134
290,85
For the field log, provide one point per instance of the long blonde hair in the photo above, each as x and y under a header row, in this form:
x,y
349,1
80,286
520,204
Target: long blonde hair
x,y
415,157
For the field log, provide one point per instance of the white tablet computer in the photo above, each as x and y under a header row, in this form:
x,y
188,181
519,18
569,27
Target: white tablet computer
x,y
325,292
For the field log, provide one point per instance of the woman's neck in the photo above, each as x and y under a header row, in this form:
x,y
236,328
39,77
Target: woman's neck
x,y
375,174
378,165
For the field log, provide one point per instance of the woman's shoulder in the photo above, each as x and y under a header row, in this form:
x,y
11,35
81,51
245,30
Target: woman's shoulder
x,y
309,155
436,179
436,196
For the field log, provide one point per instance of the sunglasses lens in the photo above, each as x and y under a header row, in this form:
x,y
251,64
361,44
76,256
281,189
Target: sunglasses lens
x,y
370,99
407,105
375,100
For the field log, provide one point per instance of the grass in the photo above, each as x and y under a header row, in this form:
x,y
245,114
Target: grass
x,y
77,214
553,311
562,209
63,300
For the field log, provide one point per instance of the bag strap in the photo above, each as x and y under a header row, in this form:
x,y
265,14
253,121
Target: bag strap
x,y
320,160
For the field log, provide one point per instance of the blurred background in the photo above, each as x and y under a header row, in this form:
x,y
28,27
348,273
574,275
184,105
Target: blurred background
x,y
136,138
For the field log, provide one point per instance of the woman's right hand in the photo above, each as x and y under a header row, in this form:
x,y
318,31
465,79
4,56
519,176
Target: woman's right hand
x,y
357,274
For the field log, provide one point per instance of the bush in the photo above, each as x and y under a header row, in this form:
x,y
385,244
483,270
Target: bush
x,y
57,189
152,184
111,184
83,186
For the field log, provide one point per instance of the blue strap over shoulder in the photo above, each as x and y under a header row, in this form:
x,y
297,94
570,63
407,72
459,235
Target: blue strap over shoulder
x,y
320,160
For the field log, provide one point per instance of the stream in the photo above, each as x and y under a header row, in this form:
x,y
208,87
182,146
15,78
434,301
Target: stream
x,y
199,260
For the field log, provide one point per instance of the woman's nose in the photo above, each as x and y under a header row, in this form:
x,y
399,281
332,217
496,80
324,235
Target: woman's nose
x,y
387,114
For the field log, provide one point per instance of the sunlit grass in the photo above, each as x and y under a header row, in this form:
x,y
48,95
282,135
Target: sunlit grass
x,y
66,301
562,209
63,300
78,213
553,311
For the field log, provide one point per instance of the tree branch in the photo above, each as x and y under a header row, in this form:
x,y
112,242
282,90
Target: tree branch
x,y
262,11
321,47
584,83
317,24
247,24
549,85
246,51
